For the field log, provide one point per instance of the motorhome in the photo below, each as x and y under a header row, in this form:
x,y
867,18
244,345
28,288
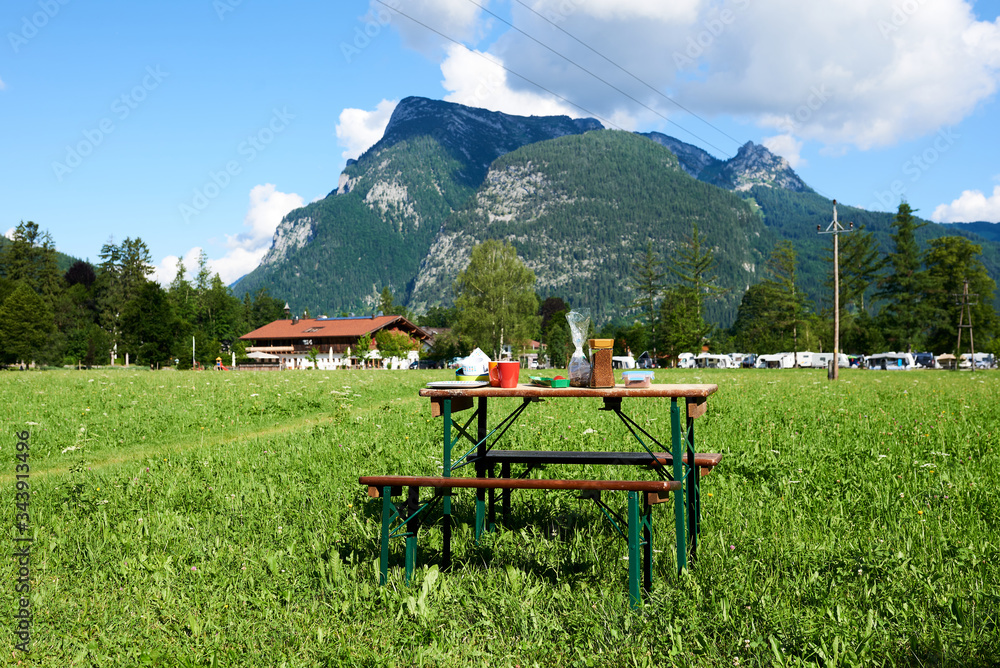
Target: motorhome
x,y
775,361
708,361
623,362
887,361
822,360
685,361
983,361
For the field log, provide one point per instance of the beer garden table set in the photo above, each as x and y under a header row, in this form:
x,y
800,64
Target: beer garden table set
x,y
677,468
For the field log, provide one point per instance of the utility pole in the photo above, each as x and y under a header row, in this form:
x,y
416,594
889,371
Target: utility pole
x,y
836,229
965,308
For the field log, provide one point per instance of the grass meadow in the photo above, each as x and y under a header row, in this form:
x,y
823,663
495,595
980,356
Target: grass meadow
x,y
215,519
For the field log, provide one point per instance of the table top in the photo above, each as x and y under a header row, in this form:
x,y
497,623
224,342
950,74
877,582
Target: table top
x,y
532,391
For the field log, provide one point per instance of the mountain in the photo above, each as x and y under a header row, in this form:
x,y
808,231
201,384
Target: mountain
x,y
983,229
753,165
579,203
376,227
580,211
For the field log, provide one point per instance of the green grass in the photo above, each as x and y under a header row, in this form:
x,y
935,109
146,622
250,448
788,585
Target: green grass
x,y
186,518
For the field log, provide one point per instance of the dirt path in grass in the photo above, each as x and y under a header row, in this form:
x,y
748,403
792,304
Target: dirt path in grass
x,y
117,458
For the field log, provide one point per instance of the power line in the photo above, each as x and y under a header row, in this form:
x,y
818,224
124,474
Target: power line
x,y
643,82
501,65
605,81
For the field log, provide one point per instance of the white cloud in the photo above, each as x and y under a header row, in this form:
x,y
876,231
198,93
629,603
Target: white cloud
x,y
359,129
10,233
972,206
266,209
855,73
166,270
788,147
458,19
684,11
477,79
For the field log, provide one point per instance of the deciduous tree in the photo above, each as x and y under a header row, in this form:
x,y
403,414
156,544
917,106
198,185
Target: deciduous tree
x,y
495,297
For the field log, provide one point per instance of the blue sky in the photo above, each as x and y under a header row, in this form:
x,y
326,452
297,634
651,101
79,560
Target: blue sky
x,y
199,124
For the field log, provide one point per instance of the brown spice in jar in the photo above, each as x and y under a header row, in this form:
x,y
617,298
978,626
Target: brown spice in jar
x,y
602,374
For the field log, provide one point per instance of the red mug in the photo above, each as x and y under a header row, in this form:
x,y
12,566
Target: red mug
x,y
494,374
509,372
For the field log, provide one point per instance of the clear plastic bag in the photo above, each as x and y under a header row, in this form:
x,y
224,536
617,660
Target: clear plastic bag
x,y
579,367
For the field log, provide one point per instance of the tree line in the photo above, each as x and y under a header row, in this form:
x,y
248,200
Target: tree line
x,y
904,299
91,314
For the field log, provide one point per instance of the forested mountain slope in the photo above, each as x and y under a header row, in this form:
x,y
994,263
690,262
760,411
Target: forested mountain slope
x,y
376,227
580,211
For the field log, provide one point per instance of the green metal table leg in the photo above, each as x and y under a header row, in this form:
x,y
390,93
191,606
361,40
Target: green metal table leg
x,y
482,432
647,543
633,549
679,500
383,560
693,483
412,527
446,503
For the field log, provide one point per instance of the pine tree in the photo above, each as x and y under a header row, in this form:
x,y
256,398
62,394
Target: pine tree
x,y
906,311
648,284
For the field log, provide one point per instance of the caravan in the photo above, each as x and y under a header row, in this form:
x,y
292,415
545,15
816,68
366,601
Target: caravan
x,y
822,360
886,361
686,361
983,361
776,361
708,361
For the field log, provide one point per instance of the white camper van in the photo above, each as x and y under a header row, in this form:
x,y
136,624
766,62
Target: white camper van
x,y
887,361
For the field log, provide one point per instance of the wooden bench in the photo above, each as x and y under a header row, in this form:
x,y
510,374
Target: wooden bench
x,y
705,461
535,458
642,495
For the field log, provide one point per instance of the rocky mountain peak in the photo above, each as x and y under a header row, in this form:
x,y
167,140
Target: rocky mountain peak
x,y
755,165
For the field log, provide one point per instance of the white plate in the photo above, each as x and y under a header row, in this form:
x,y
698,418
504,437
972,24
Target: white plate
x,y
456,384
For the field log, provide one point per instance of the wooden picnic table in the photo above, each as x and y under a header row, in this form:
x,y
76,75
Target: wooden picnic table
x,y
678,465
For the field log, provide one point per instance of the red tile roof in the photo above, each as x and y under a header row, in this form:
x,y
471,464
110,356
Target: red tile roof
x,y
320,327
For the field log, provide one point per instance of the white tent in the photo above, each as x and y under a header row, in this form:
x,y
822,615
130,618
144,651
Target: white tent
x,y
257,355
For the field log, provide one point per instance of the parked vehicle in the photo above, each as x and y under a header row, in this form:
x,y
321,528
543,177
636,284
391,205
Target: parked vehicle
x,y
776,361
887,361
822,360
983,361
925,360
708,361
623,362
685,361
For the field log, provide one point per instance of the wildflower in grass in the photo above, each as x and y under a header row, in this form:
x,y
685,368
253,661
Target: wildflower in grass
x,y
732,547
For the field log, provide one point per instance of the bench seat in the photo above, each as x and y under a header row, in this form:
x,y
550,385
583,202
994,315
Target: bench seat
x,y
377,483
642,495
705,461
